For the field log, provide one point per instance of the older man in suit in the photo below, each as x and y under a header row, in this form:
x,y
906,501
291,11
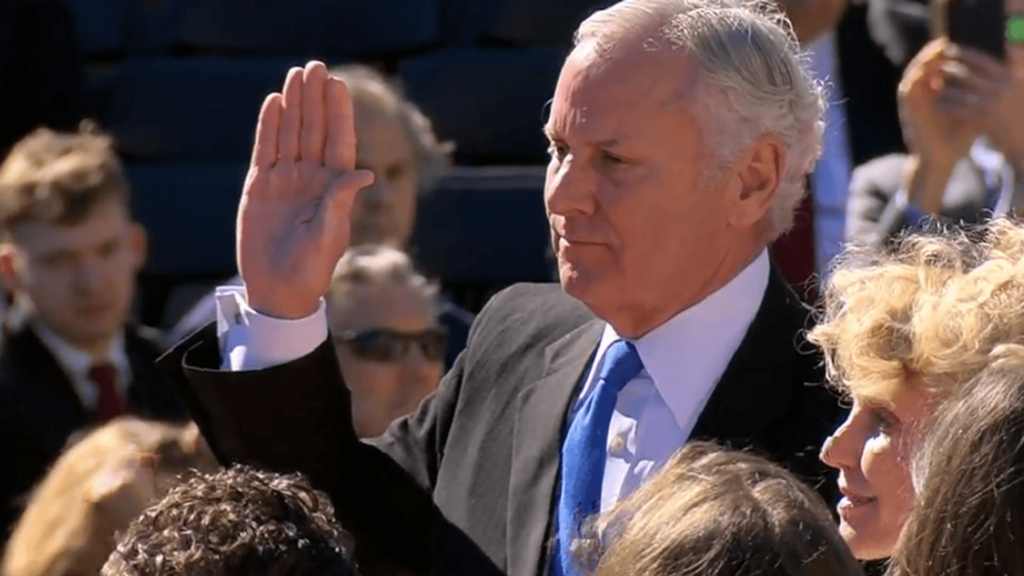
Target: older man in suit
x,y
681,133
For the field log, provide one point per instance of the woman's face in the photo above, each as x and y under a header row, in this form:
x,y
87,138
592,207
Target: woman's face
x,y
385,212
397,358
872,451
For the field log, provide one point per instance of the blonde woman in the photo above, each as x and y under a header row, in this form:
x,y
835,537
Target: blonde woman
x,y
95,489
902,331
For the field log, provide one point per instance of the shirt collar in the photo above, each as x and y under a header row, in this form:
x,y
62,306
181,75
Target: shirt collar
x,y
688,354
76,362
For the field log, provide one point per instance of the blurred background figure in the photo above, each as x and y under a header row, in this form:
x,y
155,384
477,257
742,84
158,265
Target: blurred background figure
x,y
237,522
69,253
396,142
963,126
384,318
95,489
723,513
968,519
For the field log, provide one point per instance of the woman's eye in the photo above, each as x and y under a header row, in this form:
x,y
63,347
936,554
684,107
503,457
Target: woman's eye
x,y
883,419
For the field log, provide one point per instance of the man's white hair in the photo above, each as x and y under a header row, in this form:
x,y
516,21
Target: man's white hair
x,y
753,78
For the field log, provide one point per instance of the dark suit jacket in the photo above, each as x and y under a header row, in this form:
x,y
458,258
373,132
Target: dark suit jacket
x,y
873,217
467,484
39,408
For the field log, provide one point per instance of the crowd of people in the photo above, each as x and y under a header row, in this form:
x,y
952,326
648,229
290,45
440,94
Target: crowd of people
x,y
670,407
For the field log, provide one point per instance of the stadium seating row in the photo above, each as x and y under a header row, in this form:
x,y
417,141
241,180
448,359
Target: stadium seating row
x,y
335,29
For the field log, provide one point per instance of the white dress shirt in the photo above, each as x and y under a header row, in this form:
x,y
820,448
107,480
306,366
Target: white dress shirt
x,y
76,364
831,176
683,360
654,414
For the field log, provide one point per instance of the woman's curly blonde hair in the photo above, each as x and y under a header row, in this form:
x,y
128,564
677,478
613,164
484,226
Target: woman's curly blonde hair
x,y
932,305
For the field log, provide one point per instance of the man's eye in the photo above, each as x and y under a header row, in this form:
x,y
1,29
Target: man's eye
x,y
611,159
558,150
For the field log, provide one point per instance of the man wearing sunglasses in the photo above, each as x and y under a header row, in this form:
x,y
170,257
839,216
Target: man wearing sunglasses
x,y
671,170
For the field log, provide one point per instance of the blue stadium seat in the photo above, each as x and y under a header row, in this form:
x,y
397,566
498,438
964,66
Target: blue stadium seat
x,y
101,25
490,102
189,212
114,29
186,109
331,29
527,22
485,227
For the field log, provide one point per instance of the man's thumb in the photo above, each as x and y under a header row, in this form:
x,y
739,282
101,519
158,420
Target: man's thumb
x,y
336,208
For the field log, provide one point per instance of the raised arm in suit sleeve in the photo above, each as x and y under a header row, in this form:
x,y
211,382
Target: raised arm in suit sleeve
x,y
296,416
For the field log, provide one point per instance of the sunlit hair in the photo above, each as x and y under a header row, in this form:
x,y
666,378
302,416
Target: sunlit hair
x,y
236,522
68,527
369,87
968,518
754,79
932,305
58,177
713,512
376,264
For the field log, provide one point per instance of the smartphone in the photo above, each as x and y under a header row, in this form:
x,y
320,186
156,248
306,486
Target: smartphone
x,y
978,24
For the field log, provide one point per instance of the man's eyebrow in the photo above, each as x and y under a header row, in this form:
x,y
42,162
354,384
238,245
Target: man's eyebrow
x,y
609,143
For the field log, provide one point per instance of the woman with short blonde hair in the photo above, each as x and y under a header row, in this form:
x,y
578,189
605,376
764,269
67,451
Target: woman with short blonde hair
x,y
903,329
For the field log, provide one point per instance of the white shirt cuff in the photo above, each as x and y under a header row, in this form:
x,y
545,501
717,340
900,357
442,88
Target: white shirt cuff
x,y
251,341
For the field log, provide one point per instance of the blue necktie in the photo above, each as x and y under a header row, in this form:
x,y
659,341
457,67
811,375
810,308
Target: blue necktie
x,y
585,450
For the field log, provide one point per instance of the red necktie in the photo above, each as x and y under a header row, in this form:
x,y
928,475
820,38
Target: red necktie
x,y
110,404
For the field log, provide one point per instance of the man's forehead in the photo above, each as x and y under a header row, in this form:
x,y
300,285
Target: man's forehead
x,y
599,99
38,236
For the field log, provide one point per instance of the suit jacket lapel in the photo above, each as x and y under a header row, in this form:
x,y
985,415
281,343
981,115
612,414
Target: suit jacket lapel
x,y
59,393
752,392
536,446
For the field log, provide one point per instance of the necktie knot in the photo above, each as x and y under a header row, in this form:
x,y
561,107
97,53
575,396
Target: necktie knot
x,y
621,364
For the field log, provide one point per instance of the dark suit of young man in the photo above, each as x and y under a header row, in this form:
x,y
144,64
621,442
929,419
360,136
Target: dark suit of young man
x,y
40,408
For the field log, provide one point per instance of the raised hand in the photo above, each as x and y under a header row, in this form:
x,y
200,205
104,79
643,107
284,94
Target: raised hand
x,y
293,219
940,118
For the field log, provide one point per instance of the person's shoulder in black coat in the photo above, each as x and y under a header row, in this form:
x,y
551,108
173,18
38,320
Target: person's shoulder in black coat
x,y
40,410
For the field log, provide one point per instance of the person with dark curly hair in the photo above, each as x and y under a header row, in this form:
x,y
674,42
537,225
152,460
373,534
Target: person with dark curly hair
x,y
236,522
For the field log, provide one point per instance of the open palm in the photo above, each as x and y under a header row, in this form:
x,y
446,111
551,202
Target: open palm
x,y
293,218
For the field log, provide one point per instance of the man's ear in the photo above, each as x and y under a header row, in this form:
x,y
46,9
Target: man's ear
x,y
138,241
10,268
759,173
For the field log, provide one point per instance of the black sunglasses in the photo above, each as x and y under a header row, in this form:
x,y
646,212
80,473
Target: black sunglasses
x,y
382,345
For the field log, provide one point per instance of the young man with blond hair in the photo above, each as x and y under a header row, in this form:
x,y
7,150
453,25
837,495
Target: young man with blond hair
x,y
69,256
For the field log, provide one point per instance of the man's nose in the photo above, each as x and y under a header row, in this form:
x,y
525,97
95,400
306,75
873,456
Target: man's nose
x,y
570,187
89,275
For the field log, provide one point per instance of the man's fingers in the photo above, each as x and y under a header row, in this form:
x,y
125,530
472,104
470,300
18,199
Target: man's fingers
x,y
291,121
264,150
314,112
341,135
980,62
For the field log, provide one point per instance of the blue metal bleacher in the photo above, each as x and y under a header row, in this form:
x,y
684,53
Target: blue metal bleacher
x,y
189,211
490,102
331,29
527,22
186,109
